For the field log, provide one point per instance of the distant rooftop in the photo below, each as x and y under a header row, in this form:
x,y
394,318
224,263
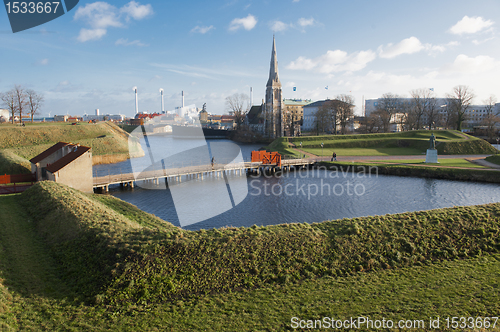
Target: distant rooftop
x,y
297,102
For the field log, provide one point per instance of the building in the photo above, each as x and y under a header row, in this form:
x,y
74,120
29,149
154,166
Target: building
x,y
255,119
103,117
293,113
309,115
66,163
273,119
4,115
61,118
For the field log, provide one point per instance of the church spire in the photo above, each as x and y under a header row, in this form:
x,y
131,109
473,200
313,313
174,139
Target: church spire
x,y
273,71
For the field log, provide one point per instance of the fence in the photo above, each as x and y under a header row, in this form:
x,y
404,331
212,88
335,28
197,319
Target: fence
x,y
16,183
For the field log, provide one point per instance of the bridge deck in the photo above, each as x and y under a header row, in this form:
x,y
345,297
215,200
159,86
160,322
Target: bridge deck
x,y
104,181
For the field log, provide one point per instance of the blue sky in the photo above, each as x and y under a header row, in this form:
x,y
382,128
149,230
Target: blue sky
x,y
92,56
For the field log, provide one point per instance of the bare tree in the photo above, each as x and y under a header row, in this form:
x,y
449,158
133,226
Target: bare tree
x,y
417,108
323,118
491,119
9,100
374,122
432,112
345,110
237,105
423,108
388,106
458,101
34,101
21,100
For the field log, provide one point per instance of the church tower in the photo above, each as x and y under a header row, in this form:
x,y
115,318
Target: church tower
x,y
274,112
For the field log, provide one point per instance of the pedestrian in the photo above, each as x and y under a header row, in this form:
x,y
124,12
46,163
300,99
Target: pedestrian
x,y
213,161
334,157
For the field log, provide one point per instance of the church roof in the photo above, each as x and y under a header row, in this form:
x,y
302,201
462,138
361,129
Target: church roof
x,y
274,79
253,114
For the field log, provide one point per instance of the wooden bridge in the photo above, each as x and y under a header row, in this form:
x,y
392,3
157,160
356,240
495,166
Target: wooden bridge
x,y
197,171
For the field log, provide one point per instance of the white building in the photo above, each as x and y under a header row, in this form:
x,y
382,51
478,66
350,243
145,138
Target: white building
x,y
4,115
309,119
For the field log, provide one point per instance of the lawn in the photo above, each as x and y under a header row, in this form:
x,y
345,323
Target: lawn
x,y
403,143
452,162
364,152
494,159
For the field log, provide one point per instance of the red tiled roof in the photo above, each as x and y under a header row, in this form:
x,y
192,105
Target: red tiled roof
x,y
67,159
54,148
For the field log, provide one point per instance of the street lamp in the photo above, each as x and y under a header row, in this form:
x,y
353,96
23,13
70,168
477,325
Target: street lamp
x,y
321,149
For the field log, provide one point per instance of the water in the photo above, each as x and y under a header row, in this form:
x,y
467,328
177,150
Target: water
x,y
179,152
300,196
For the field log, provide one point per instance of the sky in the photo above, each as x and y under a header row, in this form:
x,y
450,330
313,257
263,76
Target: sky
x,y
94,55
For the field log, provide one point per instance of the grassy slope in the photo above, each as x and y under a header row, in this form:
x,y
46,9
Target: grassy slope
x,y
494,159
336,250
233,258
403,143
19,144
282,146
446,173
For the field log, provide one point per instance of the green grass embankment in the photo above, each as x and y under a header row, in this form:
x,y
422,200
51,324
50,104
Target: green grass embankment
x,y
401,266
494,159
403,143
10,163
443,162
445,173
109,143
282,146
112,258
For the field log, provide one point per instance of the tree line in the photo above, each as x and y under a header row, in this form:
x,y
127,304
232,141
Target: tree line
x,y
21,101
334,115
421,111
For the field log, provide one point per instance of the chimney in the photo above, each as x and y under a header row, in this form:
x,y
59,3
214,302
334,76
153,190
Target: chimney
x,y
182,98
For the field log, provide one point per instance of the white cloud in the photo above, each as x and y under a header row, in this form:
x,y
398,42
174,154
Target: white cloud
x,y
469,25
125,42
305,22
468,65
101,15
279,26
201,29
90,34
406,46
137,11
247,23
334,61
